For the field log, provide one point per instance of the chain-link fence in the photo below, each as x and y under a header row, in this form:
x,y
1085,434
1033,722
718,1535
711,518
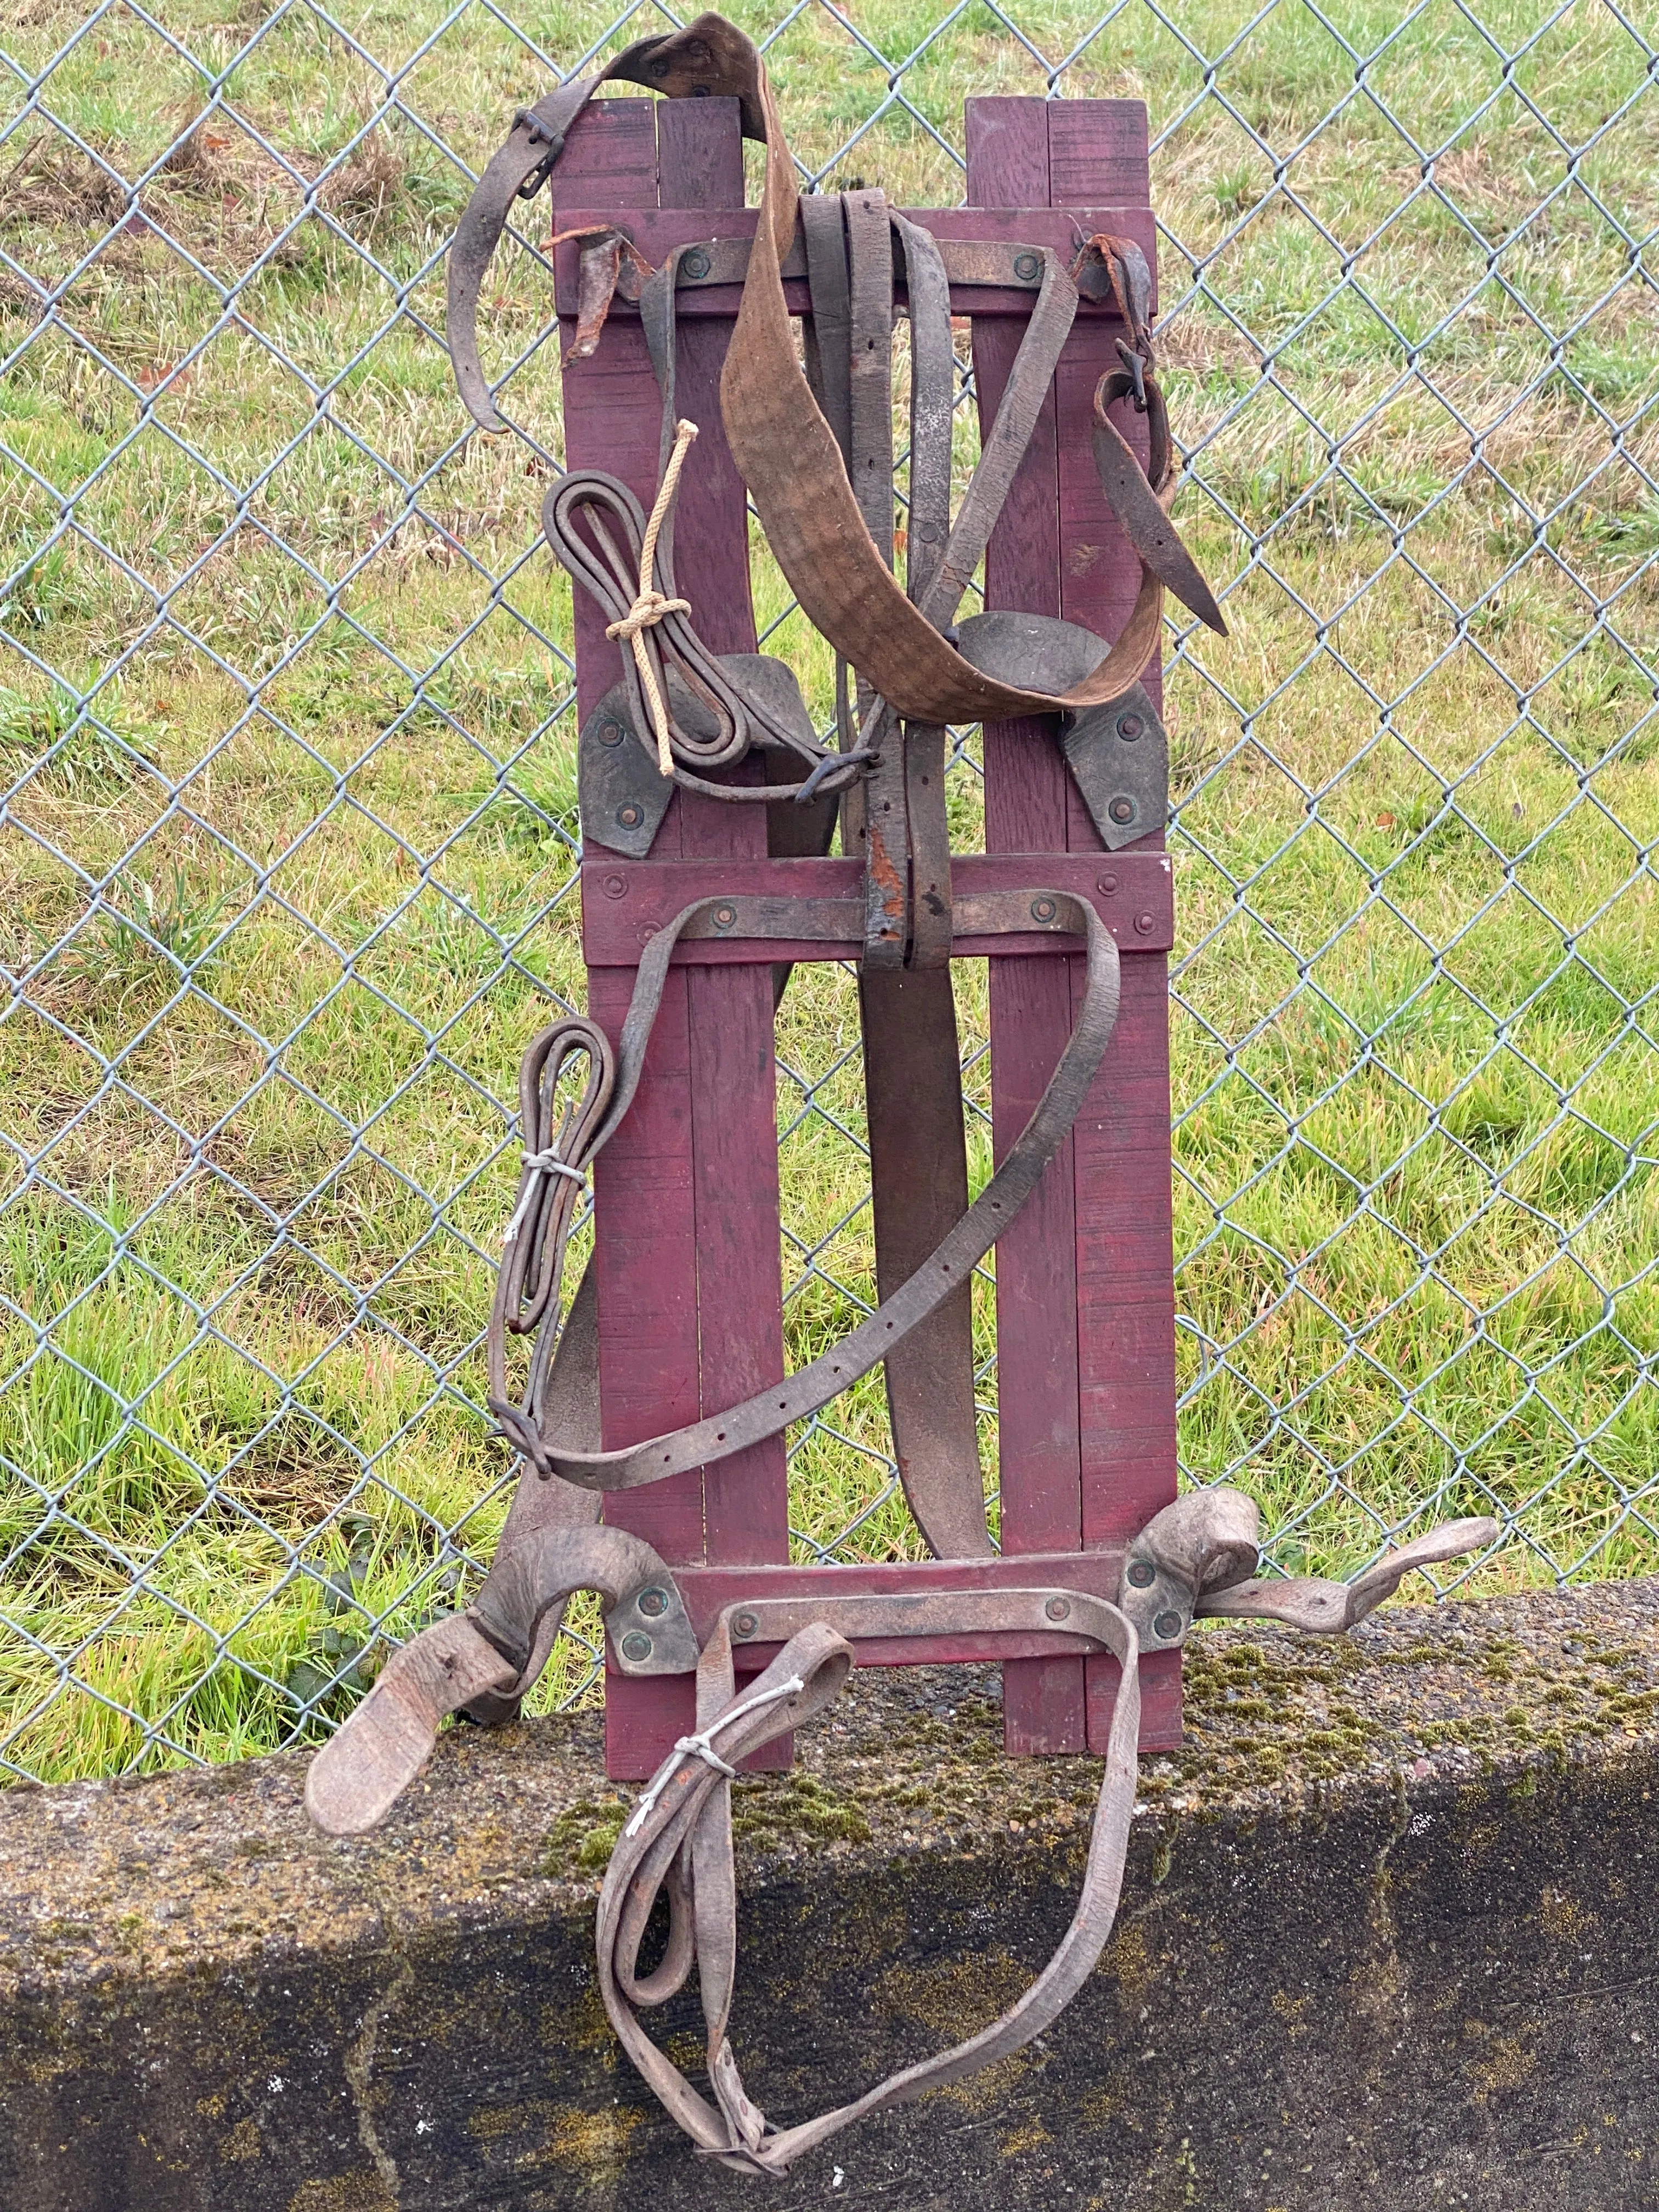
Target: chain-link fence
x,y
289,829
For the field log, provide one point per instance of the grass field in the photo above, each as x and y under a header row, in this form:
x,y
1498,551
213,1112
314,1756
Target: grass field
x,y
284,903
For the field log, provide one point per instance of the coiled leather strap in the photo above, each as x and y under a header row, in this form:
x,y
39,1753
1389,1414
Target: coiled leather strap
x,y
679,1843
948,1268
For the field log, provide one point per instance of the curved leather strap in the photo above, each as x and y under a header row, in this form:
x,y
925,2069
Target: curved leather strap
x,y
787,455
948,1266
522,165
680,1840
357,1776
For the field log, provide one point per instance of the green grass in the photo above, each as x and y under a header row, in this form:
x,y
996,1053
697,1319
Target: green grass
x,y
301,874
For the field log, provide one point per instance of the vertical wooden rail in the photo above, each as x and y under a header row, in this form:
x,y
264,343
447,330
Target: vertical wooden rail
x,y
1098,1440
1031,1001
687,1253
733,1061
645,1248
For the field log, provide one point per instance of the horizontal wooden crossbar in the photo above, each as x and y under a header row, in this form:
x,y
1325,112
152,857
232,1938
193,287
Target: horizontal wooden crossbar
x,y
657,231
708,1591
623,906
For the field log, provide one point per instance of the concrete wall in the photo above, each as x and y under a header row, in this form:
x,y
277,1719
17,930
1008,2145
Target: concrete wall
x,y
1388,1939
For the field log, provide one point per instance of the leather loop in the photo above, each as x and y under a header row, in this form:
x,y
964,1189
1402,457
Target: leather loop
x,y
596,528
682,1830
947,1269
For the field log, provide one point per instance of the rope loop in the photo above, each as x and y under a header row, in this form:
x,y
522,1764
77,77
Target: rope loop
x,y
650,605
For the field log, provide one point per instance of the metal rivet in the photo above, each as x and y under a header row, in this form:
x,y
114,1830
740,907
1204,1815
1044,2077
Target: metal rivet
x,y
615,886
725,916
696,263
745,1624
1130,726
651,1602
1057,1608
1168,1626
635,1645
1106,884
611,733
1043,910
1122,809
630,815
1028,267
1143,1574
1143,924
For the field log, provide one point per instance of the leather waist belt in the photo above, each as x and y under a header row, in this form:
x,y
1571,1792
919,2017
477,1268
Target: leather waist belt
x,y
812,440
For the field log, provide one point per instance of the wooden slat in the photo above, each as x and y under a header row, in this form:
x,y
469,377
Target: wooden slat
x,y
733,1102
1098,153
1030,1001
644,1198
745,1499
1126,1322
625,902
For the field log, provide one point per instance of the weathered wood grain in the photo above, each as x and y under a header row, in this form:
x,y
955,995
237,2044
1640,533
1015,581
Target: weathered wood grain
x,y
1031,1001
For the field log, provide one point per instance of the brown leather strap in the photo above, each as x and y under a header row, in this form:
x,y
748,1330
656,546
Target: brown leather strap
x,y
919,1187
870,364
557,1136
950,1264
912,1054
885,828
932,409
829,328
357,1775
679,1838
789,459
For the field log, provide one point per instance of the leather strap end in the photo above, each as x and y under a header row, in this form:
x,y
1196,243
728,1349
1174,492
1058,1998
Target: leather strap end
x,y
360,1773
1327,1609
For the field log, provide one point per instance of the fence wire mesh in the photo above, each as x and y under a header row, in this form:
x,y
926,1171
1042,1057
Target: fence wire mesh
x,y
289,828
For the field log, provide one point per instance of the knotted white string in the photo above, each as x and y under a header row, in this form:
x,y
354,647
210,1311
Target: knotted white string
x,y
701,1747
651,605
539,1163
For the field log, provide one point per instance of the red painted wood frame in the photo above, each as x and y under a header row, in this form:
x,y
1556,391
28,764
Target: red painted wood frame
x,y
686,1193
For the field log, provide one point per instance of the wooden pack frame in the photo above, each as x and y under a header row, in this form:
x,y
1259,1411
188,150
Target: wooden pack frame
x,y
687,1253
716,1648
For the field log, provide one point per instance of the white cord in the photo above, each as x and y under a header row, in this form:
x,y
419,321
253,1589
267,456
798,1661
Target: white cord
x,y
550,1163
700,1747
539,1163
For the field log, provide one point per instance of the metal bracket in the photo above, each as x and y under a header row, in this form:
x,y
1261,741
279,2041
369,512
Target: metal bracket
x,y
1119,756
1157,1602
650,1632
620,792
623,794
1205,1542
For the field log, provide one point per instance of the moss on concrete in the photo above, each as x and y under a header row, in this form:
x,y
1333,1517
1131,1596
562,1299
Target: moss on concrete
x,y
1368,1847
